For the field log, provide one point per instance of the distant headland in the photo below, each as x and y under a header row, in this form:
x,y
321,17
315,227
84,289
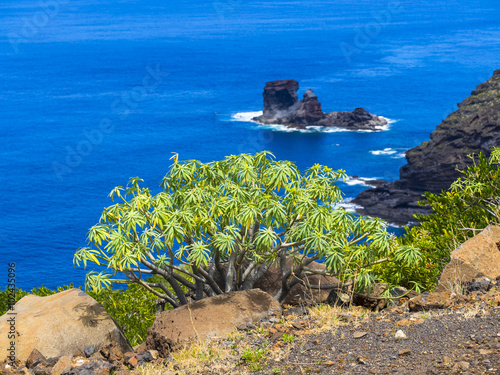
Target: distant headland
x,y
282,107
435,164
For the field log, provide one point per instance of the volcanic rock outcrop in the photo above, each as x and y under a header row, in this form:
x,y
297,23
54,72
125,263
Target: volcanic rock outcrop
x,y
282,107
432,166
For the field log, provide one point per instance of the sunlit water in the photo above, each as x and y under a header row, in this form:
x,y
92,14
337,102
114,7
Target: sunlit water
x,y
94,92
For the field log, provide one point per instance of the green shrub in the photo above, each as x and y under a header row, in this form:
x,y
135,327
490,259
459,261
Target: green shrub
x,y
228,222
471,204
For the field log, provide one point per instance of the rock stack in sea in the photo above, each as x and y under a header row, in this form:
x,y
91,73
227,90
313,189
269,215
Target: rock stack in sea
x,y
433,166
282,107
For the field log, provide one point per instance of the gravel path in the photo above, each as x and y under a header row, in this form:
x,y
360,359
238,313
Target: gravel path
x,y
445,344
462,340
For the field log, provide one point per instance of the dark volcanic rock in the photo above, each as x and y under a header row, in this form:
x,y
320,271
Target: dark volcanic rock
x,y
432,166
281,106
279,96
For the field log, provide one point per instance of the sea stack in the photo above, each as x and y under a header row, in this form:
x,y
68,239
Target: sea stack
x,y
432,166
282,107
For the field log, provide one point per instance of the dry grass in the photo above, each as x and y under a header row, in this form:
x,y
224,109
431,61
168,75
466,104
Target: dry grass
x,y
194,358
238,352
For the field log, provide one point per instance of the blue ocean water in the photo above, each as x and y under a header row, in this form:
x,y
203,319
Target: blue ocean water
x,y
95,92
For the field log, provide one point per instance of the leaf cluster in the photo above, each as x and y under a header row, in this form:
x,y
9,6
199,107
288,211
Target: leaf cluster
x,y
467,207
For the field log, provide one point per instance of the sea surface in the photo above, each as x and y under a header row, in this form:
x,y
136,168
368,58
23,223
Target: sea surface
x,y
95,92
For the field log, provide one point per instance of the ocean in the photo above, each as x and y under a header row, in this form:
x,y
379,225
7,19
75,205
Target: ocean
x,y
95,92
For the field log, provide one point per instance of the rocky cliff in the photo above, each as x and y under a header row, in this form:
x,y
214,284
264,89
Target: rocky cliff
x,y
281,106
432,166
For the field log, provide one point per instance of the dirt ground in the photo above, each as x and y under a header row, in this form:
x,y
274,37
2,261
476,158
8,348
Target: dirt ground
x,y
464,339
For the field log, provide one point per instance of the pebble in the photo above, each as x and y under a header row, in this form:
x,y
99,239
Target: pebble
x,y
404,352
361,361
400,335
359,334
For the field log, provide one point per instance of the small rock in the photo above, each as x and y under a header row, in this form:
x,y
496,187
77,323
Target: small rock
x,y
78,361
112,353
482,284
79,353
484,351
461,366
35,358
154,354
132,361
242,327
404,352
94,367
89,350
361,361
140,348
276,336
41,369
299,311
62,365
400,335
144,357
359,334
274,320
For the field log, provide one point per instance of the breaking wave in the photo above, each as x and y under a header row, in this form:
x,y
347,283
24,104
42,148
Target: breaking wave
x,y
396,153
248,116
363,181
347,205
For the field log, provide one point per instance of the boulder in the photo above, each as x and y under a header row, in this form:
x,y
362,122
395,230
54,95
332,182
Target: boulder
x,y
59,325
431,301
432,166
271,283
281,106
477,257
213,316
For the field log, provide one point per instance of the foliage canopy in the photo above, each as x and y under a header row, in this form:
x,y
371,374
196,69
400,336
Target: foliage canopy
x,y
218,227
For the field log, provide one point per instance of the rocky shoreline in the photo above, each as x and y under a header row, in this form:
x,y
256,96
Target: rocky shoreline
x,y
282,107
433,166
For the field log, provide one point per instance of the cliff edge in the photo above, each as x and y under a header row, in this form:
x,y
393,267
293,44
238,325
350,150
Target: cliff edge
x,y
433,166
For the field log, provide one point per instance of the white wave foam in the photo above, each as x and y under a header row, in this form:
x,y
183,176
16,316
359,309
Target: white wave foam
x,y
385,151
396,153
399,156
248,116
364,181
347,205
